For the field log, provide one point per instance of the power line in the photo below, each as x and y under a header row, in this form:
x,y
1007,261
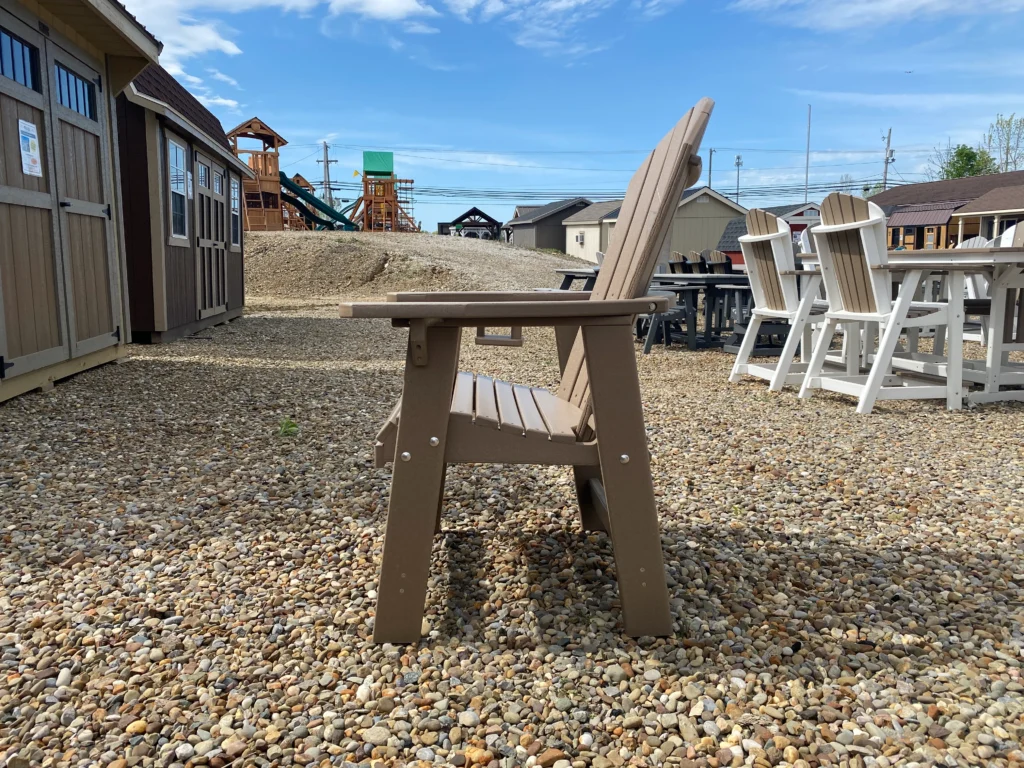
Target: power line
x,y
296,162
449,150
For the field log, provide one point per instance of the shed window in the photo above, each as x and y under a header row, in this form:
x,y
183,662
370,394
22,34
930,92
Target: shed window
x,y
204,176
74,92
236,214
895,240
19,61
176,178
218,183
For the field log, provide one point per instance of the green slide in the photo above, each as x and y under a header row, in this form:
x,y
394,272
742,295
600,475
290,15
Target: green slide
x,y
317,204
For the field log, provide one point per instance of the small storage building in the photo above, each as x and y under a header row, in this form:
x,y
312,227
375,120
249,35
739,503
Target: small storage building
x,y
701,218
183,218
543,227
799,216
588,232
62,292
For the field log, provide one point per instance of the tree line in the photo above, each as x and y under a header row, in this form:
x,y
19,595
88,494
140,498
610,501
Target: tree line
x,y
1000,150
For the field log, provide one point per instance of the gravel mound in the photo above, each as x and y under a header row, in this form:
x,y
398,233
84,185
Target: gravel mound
x,y
334,264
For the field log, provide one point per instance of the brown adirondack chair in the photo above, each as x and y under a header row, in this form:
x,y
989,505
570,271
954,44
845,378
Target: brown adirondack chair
x,y
594,422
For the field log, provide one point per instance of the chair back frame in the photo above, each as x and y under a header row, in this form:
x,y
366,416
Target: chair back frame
x,y
641,234
768,251
851,246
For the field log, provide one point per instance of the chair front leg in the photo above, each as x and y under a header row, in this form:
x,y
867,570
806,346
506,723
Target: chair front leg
x,y
626,470
746,347
416,486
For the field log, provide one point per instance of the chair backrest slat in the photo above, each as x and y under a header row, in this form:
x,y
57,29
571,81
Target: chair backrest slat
x,y
849,255
641,233
768,251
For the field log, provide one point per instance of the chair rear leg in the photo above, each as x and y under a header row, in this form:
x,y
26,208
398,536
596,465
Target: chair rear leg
x,y
746,347
416,486
589,517
628,487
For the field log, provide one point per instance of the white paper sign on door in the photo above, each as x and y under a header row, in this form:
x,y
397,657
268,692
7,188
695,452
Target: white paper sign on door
x,y
28,137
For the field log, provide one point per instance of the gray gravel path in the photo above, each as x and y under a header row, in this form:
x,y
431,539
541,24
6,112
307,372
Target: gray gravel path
x,y
184,582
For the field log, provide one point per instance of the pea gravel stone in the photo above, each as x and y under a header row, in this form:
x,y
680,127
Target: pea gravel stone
x,y
181,584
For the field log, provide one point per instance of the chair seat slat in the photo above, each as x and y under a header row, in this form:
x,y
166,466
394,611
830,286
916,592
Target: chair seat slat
x,y
486,404
508,411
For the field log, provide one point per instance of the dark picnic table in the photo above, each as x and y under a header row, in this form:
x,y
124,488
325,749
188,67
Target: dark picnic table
x,y
587,274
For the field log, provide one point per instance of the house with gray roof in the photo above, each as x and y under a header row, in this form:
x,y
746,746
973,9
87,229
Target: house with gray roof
x,y
587,232
800,216
543,227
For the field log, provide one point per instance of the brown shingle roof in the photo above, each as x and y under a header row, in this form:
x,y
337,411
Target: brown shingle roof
x,y
1001,199
157,83
128,14
969,188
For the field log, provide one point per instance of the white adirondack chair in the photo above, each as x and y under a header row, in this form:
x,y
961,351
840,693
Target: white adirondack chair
x,y
852,248
771,267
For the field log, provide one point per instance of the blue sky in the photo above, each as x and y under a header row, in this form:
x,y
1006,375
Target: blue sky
x,y
552,97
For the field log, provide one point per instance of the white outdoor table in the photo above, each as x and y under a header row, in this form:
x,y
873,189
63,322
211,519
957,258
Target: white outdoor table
x,y
1004,268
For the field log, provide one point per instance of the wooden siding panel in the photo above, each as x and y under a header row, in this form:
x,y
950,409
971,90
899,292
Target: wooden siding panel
x,y
236,280
181,286
11,110
133,148
82,176
90,276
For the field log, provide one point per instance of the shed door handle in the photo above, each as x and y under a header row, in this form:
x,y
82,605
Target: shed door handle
x,y
65,204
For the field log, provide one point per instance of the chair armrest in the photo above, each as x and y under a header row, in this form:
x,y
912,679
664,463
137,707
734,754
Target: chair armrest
x,y
533,312
483,296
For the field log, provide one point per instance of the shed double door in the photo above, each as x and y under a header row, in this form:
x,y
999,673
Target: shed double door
x,y
211,236
58,289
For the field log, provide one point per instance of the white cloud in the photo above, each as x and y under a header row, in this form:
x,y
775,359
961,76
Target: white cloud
x,y
218,75
217,101
386,10
918,102
845,14
419,28
652,9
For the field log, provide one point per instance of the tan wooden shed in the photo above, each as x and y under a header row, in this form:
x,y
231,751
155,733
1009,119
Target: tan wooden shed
x,y
62,296
183,218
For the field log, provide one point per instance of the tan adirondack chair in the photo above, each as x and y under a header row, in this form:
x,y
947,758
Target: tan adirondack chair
x,y
718,263
594,422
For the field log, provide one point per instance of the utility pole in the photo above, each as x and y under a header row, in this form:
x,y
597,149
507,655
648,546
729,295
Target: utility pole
x,y
890,157
328,195
807,164
711,159
739,164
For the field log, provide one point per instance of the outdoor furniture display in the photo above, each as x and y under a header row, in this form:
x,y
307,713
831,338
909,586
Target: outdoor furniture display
x,y
717,262
683,265
569,276
679,320
717,324
851,248
1003,268
775,282
593,423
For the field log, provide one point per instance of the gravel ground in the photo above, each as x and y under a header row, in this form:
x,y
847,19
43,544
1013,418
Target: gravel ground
x,y
190,540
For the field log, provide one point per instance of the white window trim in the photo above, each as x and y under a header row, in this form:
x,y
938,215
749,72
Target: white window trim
x,y
234,183
176,238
